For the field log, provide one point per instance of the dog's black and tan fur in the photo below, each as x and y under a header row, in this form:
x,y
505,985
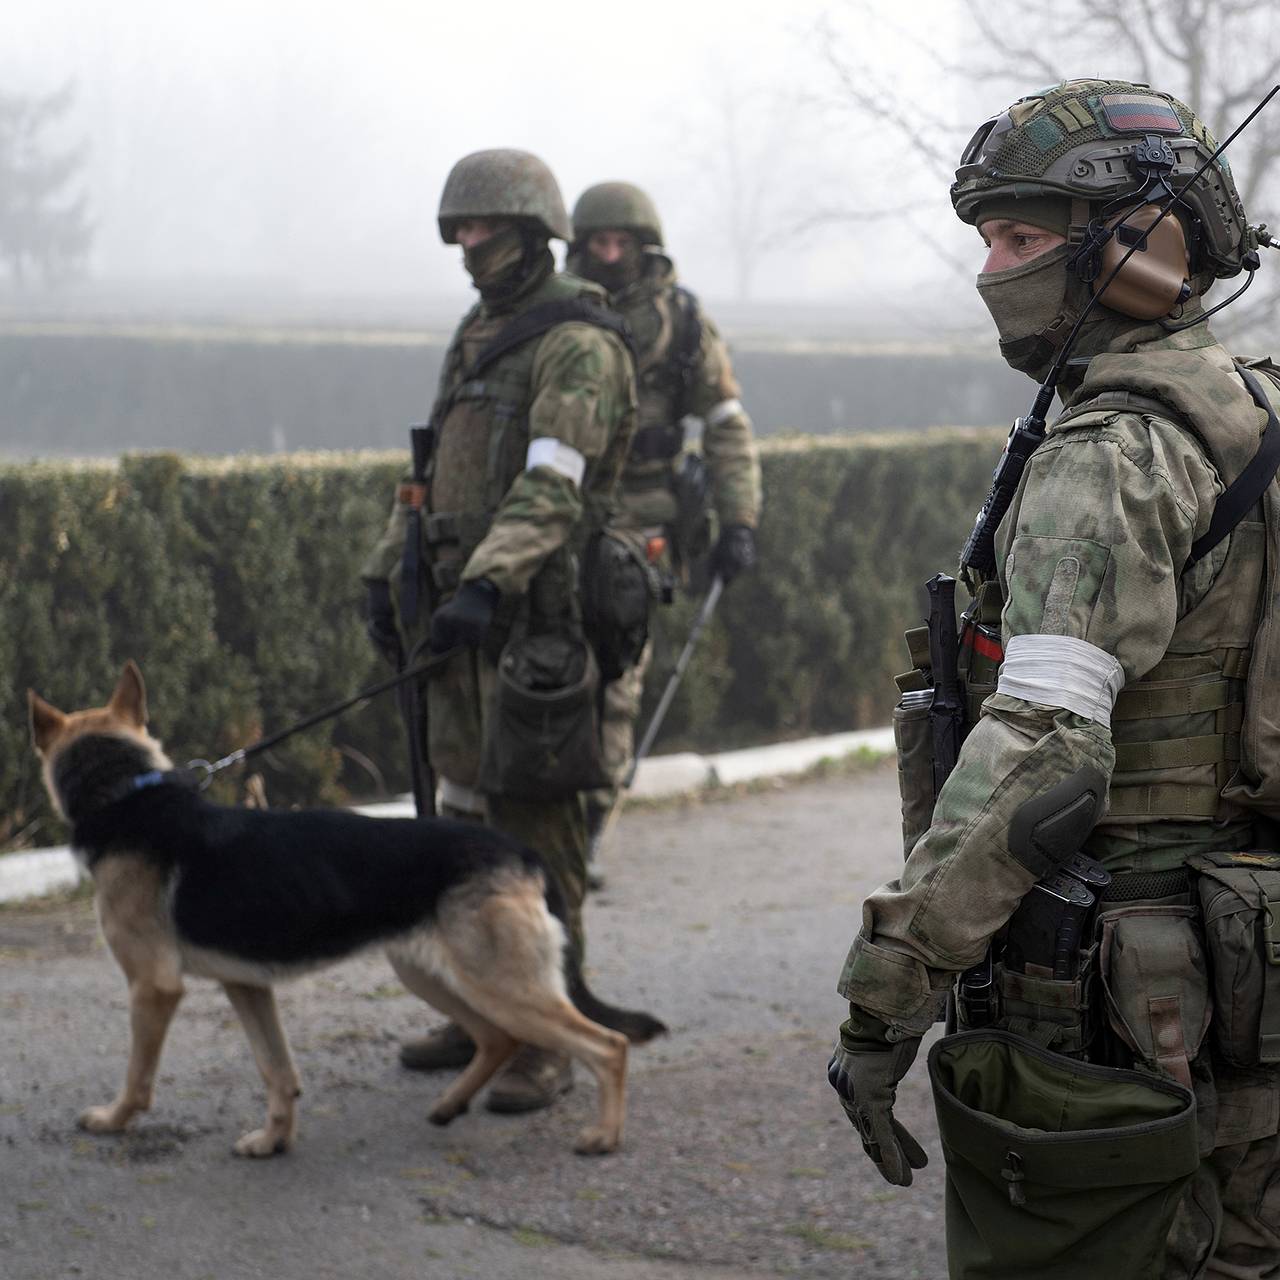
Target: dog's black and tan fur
x,y
470,920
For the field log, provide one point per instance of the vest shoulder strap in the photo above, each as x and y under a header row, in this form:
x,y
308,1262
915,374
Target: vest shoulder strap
x,y
686,346
1246,490
541,319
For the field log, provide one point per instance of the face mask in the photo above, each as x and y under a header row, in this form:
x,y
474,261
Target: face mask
x,y
1029,305
491,261
614,276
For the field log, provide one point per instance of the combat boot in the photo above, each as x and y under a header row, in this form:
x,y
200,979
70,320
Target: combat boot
x,y
533,1079
445,1047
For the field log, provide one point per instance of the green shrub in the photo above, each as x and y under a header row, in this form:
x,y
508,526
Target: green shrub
x,y
235,585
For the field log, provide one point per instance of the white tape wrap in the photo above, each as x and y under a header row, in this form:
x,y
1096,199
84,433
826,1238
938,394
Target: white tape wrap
x,y
464,799
723,411
547,451
1061,671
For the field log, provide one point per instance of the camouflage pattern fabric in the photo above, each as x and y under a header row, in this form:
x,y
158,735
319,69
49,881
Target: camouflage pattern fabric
x,y
518,527
646,499
1094,548
651,312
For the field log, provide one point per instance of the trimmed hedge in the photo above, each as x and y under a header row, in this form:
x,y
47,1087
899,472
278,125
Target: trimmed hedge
x,y
234,583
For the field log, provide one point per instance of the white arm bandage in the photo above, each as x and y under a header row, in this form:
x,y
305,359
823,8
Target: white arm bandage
x,y
723,411
1061,671
547,451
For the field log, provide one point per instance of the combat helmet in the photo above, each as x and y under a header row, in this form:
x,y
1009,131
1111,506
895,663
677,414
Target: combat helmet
x,y
619,206
1078,140
502,183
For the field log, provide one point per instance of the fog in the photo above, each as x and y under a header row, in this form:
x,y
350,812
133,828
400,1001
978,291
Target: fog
x,y
293,153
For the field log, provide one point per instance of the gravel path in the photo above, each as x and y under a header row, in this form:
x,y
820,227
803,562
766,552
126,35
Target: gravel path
x,y
728,918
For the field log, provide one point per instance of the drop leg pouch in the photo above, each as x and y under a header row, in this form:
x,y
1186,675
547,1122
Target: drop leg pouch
x,y
542,740
1056,1168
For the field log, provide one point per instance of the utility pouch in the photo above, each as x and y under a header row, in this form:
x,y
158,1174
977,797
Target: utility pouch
x,y
1240,904
617,585
1056,1168
1155,983
543,737
1054,1013
691,533
913,735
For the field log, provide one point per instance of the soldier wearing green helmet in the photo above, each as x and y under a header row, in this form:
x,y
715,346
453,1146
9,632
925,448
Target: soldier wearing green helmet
x,y
512,479
1091,891
686,383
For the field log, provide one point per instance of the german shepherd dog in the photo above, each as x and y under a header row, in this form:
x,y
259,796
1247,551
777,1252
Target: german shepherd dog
x,y
472,922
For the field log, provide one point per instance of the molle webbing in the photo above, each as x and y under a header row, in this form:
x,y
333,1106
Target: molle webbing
x,y
1168,692
1178,730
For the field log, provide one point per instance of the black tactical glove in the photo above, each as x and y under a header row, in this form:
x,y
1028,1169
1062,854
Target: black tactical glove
x,y
735,552
380,620
864,1070
465,619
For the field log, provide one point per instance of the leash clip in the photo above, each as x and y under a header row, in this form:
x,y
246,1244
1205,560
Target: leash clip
x,y
203,771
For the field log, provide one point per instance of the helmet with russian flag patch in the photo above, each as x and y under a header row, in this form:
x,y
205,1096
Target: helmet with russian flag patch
x,y
1077,140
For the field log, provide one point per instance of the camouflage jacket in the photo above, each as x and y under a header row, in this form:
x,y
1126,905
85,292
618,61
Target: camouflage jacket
x,y
1093,549
655,316
522,454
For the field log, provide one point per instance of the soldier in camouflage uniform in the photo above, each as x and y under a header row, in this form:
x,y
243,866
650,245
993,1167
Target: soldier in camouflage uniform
x,y
685,382
1132,670
527,448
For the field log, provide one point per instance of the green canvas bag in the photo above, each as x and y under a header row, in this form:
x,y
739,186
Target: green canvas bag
x,y
1056,1168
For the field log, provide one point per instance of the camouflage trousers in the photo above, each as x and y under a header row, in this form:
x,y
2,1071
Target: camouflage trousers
x,y
459,703
1228,1224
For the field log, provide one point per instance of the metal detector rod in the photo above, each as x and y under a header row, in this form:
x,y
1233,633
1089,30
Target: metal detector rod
x,y
709,603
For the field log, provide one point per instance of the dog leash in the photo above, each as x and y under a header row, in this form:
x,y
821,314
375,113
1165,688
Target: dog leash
x,y
205,769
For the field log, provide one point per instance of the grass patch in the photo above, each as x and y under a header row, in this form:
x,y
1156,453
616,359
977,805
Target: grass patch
x,y
834,1241
532,1239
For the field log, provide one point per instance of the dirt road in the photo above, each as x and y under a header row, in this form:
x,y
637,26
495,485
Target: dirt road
x,y
729,919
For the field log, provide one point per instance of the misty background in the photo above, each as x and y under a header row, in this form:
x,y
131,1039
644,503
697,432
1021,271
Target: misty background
x,y
257,185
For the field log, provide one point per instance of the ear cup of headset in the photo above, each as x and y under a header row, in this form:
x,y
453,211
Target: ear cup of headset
x,y
1154,280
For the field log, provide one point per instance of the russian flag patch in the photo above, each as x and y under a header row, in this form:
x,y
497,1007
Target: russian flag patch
x,y
1139,113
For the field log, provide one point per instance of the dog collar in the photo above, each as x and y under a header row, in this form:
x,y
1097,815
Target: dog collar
x,y
144,781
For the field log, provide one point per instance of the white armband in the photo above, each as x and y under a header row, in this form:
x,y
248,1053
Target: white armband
x,y
723,411
563,459
1061,671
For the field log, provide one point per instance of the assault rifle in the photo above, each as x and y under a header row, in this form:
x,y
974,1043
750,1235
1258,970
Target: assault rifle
x,y
946,713
421,776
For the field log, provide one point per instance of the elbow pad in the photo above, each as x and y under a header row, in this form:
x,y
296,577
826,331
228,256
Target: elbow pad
x,y
1045,831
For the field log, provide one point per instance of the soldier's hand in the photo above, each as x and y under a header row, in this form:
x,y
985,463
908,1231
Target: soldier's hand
x,y
465,619
380,620
734,553
864,1070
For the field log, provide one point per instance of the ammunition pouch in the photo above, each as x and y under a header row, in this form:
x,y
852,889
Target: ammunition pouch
x,y
1054,1013
1239,895
652,443
617,585
978,666
1155,984
542,738
1056,1168
913,737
